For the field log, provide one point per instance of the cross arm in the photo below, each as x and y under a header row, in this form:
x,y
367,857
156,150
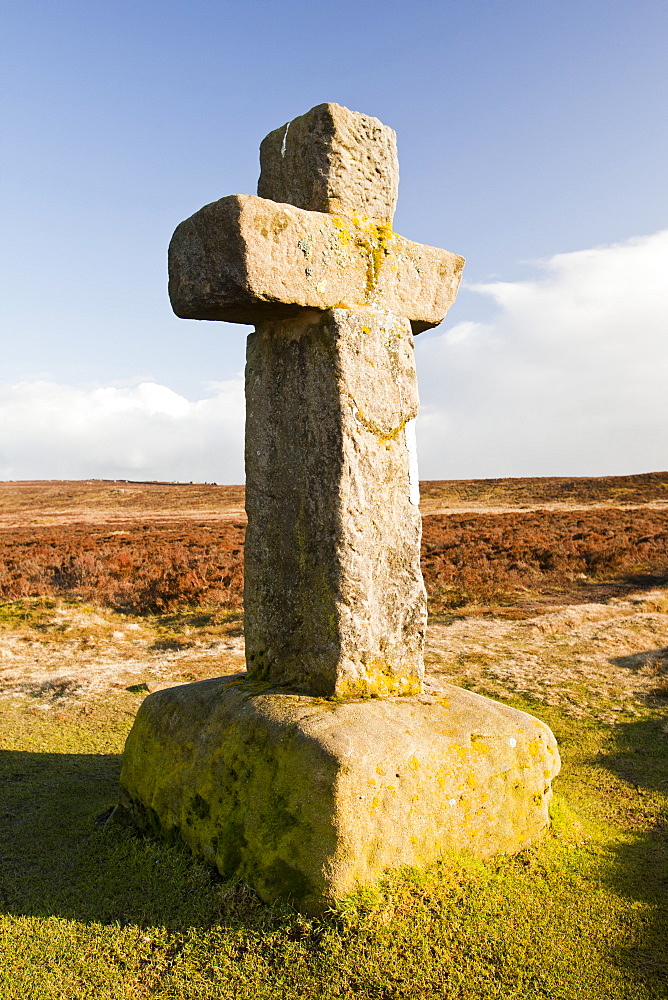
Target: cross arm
x,y
246,259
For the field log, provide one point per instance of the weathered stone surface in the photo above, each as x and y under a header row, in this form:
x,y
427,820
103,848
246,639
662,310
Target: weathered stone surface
x,y
304,796
332,160
246,260
334,598
308,799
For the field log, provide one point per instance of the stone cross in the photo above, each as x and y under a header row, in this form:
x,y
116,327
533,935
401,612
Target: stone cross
x,y
334,599
307,799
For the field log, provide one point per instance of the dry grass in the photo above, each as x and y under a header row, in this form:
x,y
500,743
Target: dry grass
x,y
601,661
63,501
536,604
545,491
605,662
54,653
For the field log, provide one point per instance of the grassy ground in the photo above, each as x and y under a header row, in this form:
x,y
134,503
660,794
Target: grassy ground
x,y
95,911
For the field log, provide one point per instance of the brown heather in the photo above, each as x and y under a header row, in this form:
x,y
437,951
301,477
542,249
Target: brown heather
x,y
150,547
484,558
139,568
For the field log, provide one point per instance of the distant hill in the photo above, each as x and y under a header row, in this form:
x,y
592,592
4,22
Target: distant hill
x,y
616,491
98,500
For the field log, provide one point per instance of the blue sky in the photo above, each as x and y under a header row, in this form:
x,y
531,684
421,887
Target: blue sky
x,y
528,131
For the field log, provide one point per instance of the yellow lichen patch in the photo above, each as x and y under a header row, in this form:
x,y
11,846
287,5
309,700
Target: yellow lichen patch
x,y
381,679
343,226
369,425
373,237
280,222
414,763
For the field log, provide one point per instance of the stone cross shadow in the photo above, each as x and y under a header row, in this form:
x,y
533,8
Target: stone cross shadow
x,y
328,765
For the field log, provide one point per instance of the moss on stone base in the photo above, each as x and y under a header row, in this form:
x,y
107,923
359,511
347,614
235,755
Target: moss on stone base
x,y
308,799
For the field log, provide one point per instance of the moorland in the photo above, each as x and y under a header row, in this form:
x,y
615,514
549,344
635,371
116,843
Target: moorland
x,y
548,594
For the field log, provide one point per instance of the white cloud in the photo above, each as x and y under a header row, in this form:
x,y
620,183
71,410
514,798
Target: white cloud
x,y
51,431
571,378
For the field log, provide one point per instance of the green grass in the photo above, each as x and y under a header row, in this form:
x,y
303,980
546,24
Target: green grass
x,y
96,911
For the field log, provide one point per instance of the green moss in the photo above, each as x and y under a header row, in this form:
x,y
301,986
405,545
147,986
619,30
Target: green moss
x,y
229,844
26,613
199,807
244,809
41,613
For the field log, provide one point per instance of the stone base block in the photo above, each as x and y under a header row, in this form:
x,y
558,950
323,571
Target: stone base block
x,y
307,798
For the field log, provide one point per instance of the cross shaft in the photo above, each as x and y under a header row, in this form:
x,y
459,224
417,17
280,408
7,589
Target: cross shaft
x,y
334,598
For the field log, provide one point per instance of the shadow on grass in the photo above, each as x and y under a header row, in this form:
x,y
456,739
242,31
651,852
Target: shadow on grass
x,y
639,869
170,645
201,618
654,663
56,860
